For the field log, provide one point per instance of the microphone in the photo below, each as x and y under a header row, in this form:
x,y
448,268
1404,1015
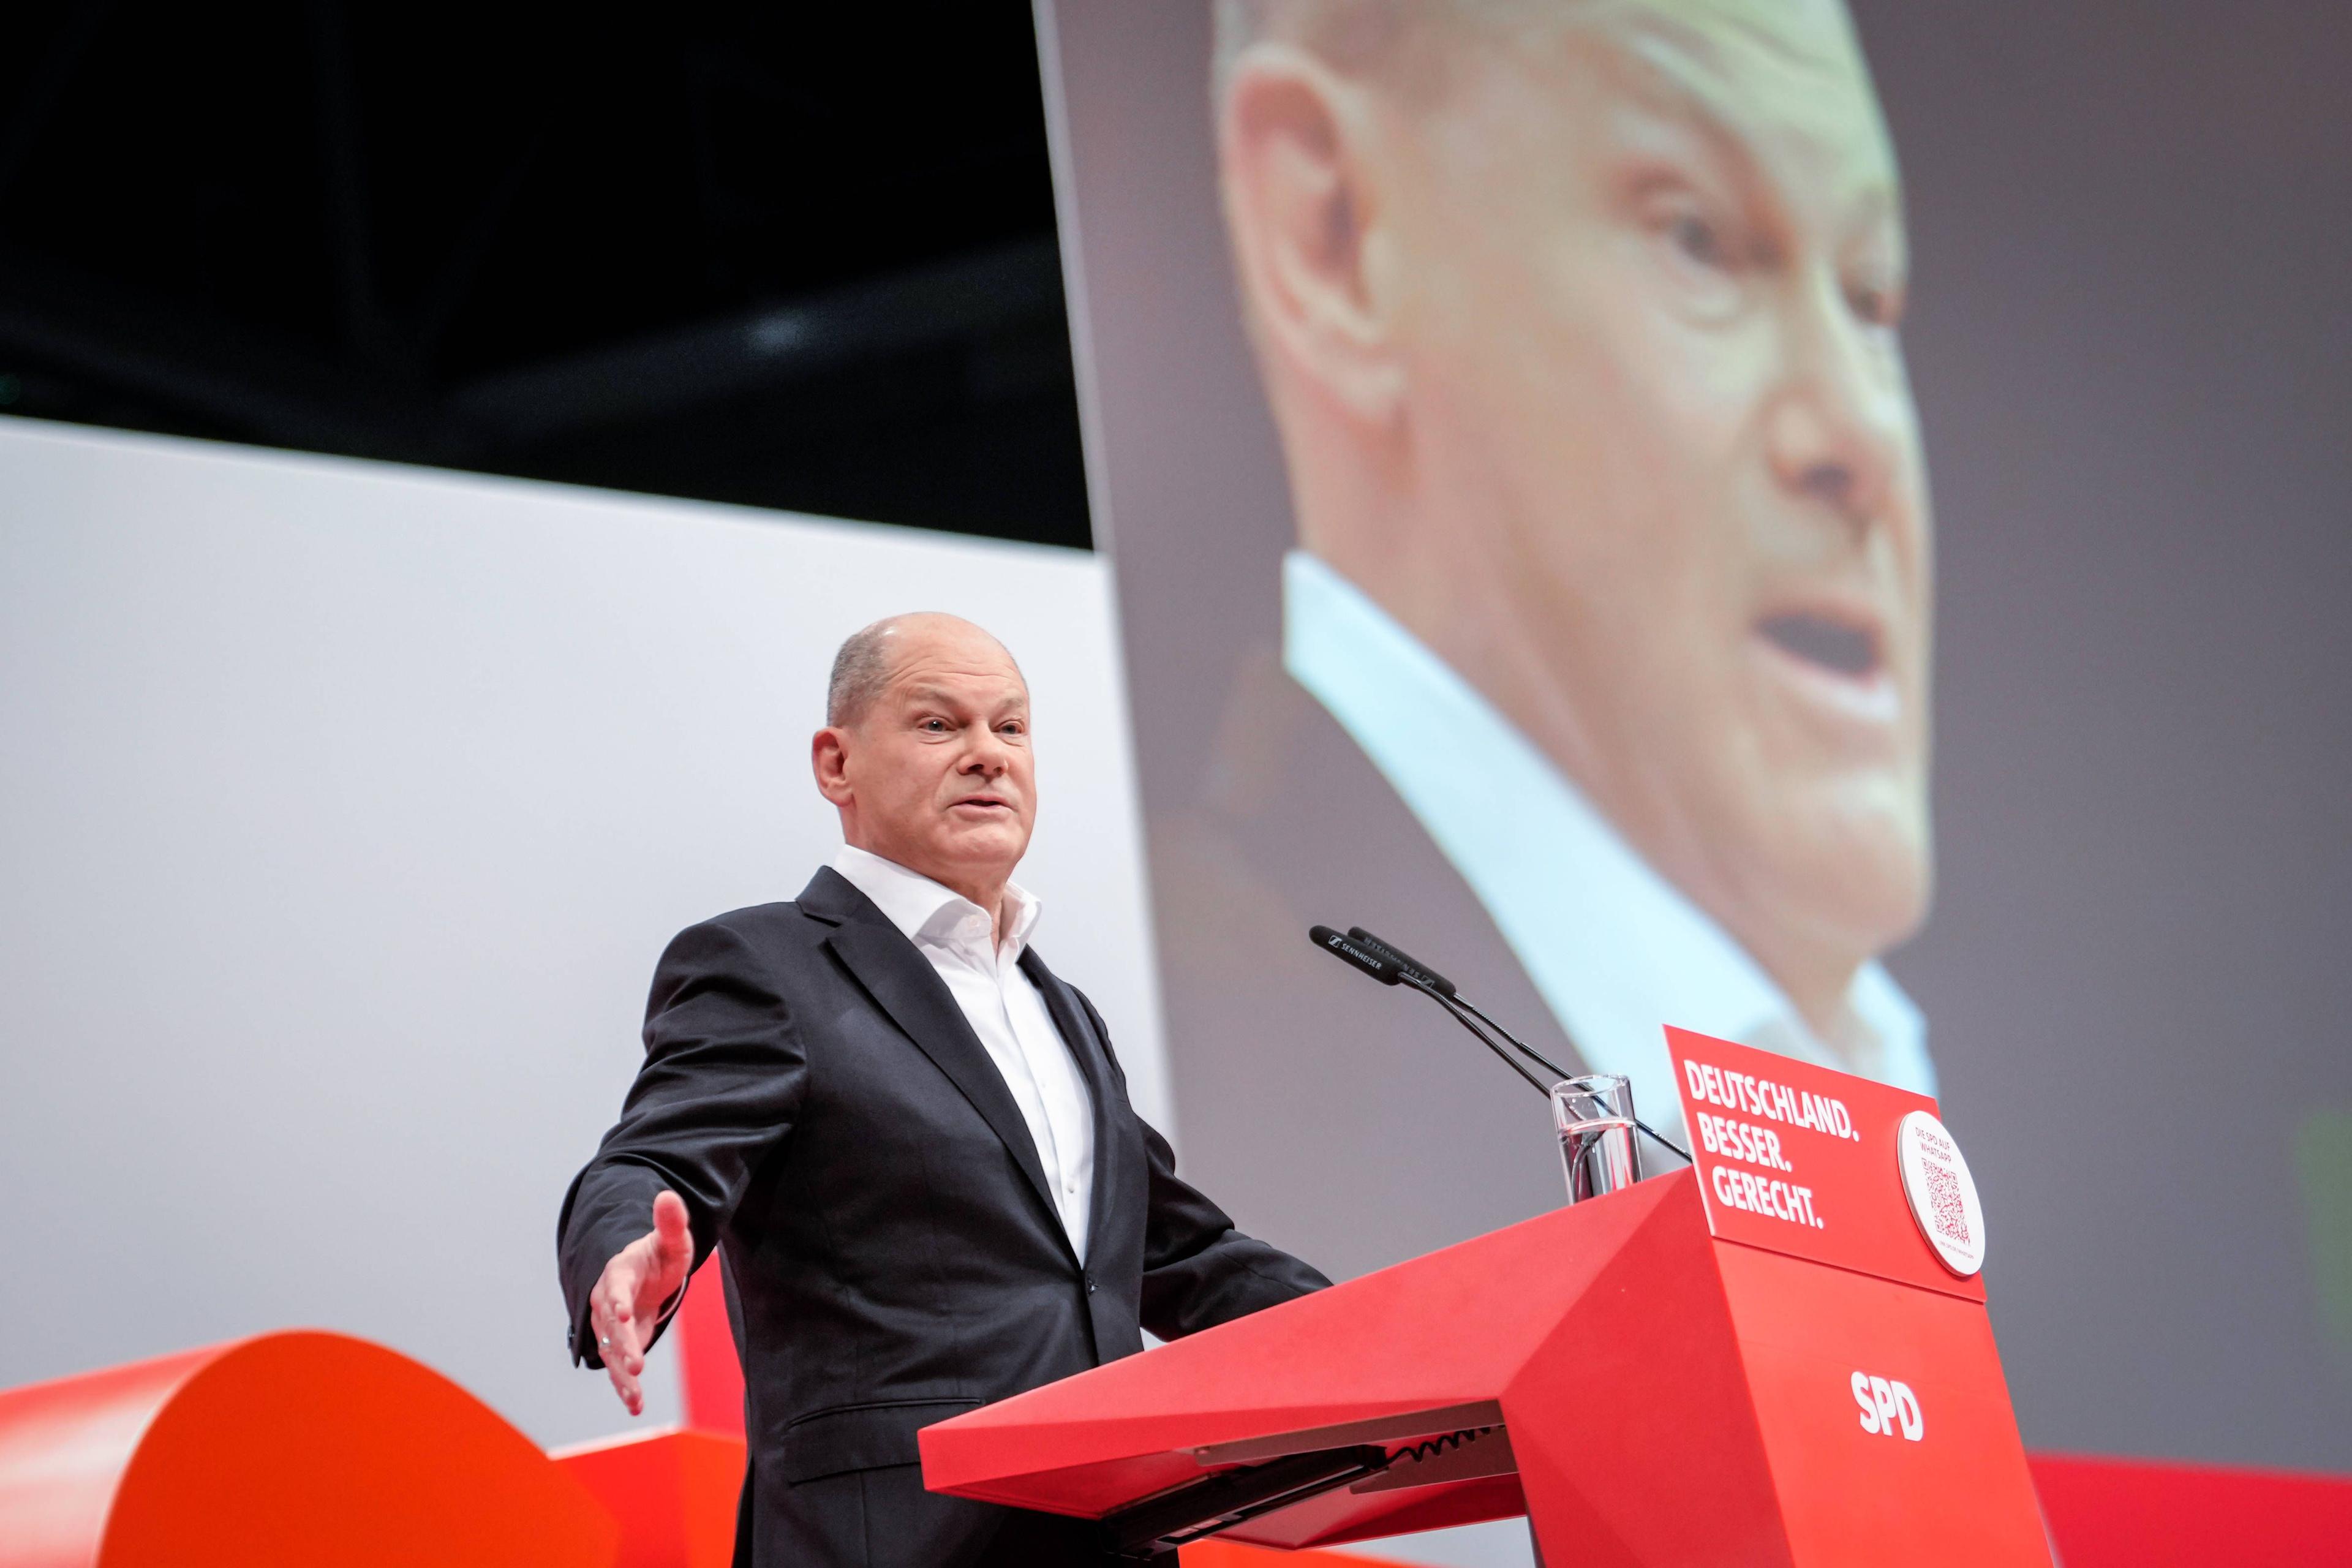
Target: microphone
x,y
1362,956
1406,961
1396,955
1383,968
1391,965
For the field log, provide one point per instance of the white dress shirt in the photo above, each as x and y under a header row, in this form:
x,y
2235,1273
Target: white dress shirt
x,y
1005,1010
1614,948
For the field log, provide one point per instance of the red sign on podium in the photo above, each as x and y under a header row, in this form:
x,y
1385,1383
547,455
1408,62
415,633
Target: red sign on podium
x,y
1796,1159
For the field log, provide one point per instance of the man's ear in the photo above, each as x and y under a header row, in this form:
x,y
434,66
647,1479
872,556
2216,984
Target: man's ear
x,y
829,760
1302,205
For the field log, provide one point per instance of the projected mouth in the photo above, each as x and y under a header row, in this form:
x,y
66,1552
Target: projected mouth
x,y
1839,647
1831,662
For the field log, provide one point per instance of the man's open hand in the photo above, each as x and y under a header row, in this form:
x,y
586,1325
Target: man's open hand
x,y
628,1301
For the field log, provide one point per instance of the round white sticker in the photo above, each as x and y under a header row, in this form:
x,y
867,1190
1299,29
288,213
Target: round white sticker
x,y
1943,1195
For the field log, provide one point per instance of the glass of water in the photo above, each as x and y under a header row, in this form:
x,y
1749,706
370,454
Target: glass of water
x,y
1594,1115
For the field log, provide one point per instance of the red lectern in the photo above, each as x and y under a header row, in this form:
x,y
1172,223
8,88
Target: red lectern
x,y
1759,1361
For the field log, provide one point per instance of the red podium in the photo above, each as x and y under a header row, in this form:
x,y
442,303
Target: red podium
x,y
1759,1361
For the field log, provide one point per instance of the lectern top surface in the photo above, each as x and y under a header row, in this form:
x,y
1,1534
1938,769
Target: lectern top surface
x,y
1425,1349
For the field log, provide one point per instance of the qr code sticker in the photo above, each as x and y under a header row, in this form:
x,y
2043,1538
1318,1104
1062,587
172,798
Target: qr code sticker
x,y
1944,1193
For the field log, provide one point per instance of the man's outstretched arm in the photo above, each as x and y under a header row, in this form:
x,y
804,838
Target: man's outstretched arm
x,y
721,1084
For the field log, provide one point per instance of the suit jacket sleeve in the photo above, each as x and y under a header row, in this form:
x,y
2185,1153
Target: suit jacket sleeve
x,y
1198,1271
723,1079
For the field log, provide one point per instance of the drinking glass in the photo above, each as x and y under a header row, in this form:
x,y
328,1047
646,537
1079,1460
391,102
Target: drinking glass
x,y
1595,1117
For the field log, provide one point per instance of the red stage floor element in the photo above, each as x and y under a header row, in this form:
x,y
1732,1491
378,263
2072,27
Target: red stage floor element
x,y
297,1450
672,1492
291,1448
2134,1513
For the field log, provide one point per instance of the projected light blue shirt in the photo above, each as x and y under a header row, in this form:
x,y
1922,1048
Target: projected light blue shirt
x,y
1615,948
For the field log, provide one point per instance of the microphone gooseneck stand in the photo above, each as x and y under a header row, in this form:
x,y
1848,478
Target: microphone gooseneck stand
x,y
1391,965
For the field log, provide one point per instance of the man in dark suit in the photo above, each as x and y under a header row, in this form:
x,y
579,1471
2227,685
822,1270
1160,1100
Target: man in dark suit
x,y
911,1138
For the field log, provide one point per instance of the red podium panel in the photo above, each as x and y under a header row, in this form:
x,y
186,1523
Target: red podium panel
x,y
1657,1376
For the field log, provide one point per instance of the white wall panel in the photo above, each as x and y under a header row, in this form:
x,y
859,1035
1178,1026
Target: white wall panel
x,y
344,811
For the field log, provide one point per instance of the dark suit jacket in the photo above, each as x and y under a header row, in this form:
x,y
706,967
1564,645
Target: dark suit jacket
x,y
813,1092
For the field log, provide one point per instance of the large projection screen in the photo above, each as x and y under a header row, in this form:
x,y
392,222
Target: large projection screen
x,y
1422,348
344,811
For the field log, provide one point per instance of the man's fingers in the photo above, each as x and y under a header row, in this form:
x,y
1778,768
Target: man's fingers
x,y
642,1269
599,1314
625,1383
624,1334
617,1341
620,1347
673,1238
621,1302
613,1310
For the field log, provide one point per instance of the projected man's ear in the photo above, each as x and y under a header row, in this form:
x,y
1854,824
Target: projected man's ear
x,y
1304,205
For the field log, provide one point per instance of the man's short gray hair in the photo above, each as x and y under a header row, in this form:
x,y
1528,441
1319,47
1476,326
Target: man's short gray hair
x,y
860,671
1345,32
1361,37
1406,41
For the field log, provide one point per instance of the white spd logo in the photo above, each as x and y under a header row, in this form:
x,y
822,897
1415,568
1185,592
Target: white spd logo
x,y
1888,1407
1942,1194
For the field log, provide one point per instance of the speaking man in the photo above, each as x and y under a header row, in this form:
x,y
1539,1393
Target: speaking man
x,y
1579,324
1599,678
910,1139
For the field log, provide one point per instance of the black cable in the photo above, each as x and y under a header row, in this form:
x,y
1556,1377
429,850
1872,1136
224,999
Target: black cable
x,y
1546,1063
1541,1060
1462,1011
1479,1035
1359,948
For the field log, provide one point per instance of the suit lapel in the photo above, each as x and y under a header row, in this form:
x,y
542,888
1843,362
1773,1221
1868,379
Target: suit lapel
x,y
904,984
1094,1063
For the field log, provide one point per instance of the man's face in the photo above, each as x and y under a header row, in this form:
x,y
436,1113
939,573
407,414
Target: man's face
x,y
1652,269
938,771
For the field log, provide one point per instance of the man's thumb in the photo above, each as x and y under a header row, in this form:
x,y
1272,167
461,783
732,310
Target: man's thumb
x,y
671,1234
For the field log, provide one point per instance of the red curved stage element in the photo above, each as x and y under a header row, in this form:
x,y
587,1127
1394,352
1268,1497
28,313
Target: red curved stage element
x,y
672,1492
290,1449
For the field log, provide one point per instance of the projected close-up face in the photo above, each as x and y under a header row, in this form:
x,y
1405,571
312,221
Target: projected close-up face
x,y
1623,364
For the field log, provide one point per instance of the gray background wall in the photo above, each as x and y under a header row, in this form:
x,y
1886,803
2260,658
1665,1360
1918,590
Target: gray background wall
x,y
2134,357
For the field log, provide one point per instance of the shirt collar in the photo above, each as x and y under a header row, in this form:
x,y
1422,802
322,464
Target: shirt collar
x,y
1615,950
931,913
